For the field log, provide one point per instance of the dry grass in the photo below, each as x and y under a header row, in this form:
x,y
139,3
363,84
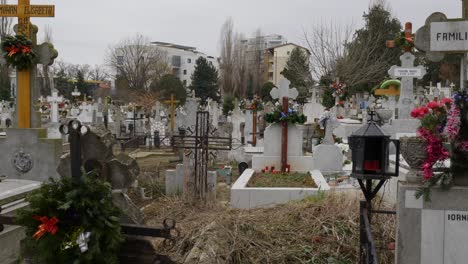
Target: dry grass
x,y
316,230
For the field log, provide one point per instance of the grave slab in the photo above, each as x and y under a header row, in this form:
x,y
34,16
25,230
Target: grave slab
x,y
432,232
29,155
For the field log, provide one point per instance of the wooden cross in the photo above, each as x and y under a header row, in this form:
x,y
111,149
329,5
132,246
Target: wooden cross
x,y
172,103
253,107
284,93
23,11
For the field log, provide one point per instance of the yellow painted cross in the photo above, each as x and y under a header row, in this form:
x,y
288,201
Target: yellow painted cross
x,y
23,11
172,103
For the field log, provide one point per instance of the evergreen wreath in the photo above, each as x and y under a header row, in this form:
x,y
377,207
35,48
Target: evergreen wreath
x,y
18,52
72,222
403,42
278,116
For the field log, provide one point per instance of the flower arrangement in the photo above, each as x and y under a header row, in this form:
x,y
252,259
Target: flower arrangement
x,y
338,89
256,103
18,52
292,116
443,122
70,222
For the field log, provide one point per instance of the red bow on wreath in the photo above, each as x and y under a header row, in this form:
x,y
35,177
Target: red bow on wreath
x,y
25,49
12,50
47,226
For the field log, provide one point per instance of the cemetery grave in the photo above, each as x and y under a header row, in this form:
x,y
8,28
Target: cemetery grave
x,y
272,179
304,167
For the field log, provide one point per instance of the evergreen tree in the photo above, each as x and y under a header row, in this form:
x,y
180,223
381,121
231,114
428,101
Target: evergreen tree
x,y
265,91
81,84
5,86
205,80
367,59
297,71
168,85
228,104
63,85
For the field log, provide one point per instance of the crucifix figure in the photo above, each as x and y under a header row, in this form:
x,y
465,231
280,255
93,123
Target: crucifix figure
x,y
54,100
283,94
172,103
23,11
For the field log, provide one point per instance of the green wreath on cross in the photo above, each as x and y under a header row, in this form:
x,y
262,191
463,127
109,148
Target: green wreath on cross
x,y
18,52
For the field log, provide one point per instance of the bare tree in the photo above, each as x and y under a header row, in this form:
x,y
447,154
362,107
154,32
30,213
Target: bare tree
x,y
239,66
99,73
137,63
6,23
326,43
46,74
227,62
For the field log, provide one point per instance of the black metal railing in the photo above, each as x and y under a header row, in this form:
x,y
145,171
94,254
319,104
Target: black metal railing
x,y
368,252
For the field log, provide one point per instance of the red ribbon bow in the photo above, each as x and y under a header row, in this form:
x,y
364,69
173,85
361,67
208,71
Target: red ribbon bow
x,y
12,50
25,49
47,226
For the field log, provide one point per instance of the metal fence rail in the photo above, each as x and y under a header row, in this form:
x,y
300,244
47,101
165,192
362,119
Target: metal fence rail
x,y
368,252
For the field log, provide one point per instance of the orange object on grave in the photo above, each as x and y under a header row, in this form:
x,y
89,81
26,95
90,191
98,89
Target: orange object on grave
x,y
392,91
371,165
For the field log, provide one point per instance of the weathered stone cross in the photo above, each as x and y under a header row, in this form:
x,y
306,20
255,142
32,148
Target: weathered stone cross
x,y
24,11
284,93
407,72
54,100
172,103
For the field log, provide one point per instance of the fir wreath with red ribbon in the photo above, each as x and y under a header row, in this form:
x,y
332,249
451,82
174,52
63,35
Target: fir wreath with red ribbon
x,y
18,52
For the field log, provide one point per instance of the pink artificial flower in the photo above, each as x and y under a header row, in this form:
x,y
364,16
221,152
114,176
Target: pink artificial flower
x,y
446,101
433,105
452,128
419,112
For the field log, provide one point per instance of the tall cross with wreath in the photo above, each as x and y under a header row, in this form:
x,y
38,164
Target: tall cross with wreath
x,y
24,11
284,93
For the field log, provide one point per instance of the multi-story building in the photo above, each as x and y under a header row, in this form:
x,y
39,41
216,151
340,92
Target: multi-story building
x,y
264,42
182,59
276,59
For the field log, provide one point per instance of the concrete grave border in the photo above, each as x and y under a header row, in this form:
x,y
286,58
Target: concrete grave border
x,y
243,197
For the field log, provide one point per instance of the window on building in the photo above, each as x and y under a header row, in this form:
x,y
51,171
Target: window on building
x,y
185,72
189,60
184,82
289,52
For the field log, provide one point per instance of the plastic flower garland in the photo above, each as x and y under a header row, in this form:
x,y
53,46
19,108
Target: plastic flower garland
x,y
18,52
433,118
292,116
443,121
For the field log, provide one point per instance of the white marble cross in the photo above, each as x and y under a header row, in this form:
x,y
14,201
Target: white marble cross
x,y
284,90
54,100
407,72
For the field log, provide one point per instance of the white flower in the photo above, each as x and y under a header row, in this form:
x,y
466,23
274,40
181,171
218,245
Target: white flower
x,y
344,147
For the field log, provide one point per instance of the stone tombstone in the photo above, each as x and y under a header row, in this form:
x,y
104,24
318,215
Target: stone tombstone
x,y
236,118
54,100
186,117
313,109
433,232
86,115
157,111
328,157
28,154
273,135
407,72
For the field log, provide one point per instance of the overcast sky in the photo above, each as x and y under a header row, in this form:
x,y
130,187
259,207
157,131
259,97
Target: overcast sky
x,y
84,29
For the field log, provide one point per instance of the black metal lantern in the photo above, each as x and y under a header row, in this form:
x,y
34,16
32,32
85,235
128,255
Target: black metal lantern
x,y
370,148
